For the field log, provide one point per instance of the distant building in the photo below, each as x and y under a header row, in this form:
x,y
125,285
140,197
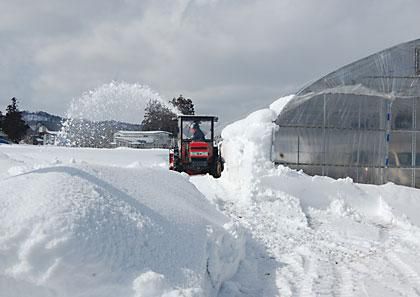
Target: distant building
x,y
143,139
43,136
3,137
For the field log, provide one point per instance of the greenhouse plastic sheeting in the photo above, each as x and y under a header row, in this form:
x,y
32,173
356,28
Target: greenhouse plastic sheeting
x,y
361,121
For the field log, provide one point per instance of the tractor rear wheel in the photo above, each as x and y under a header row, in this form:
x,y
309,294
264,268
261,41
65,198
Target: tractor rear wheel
x,y
216,171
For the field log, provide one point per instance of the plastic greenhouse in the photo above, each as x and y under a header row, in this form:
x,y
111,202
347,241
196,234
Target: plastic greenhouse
x,y
361,121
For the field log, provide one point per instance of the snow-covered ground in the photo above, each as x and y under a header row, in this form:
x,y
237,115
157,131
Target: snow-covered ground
x,y
85,222
312,236
90,222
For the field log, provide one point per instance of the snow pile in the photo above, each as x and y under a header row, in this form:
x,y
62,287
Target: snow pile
x,y
312,236
278,105
247,146
74,228
151,284
31,157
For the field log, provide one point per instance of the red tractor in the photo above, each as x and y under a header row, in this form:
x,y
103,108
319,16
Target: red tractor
x,y
195,151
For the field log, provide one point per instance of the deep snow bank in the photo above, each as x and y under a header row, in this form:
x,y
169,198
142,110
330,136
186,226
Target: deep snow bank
x,y
247,149
31,157
71,228
312,236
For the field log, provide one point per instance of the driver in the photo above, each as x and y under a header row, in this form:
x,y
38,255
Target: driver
x,y
197,134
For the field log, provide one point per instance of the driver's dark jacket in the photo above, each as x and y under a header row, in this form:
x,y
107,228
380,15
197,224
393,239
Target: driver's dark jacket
x,y
198,135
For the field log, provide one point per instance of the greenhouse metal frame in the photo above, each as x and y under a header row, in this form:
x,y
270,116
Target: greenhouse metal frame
x,y
361,121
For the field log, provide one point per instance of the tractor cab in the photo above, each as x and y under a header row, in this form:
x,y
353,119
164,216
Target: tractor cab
x,y
195,151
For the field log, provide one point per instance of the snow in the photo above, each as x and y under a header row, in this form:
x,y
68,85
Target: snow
x,y
312,236
246,147
75,223
116,222
278,105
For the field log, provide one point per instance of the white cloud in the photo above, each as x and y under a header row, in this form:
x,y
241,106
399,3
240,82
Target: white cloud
x,y
245,51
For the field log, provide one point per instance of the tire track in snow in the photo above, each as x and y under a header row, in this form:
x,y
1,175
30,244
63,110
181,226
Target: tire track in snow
x,y
294,273
383,269
327,259
301,273
406,271
325,282
345,284
309,273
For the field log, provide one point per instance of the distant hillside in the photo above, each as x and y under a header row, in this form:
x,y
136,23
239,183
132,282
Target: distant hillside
x,y
52,122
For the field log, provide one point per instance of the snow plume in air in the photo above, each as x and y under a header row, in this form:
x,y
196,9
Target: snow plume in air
x,y
92,118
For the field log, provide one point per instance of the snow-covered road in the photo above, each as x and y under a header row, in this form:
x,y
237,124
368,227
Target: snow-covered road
x,y
312,236
340,250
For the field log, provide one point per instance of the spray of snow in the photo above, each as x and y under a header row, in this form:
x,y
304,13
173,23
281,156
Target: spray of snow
x,y
115,101
118,101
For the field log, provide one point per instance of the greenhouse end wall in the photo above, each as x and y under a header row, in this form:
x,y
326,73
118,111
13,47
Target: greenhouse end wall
x,y
361,121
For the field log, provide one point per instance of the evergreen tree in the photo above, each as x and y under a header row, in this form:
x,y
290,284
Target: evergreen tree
x,y
184,105
158,117
13,125
1,121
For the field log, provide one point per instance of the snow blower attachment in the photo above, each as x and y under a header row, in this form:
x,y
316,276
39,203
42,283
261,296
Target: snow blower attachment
x,y
195,151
